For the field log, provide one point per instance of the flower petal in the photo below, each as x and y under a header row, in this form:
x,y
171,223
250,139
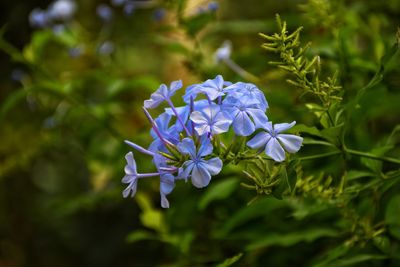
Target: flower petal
x,y
200,176
275,150
242,125
206,148
213,165
175,85
198,117
167,183
259,117
281,127
131,189
259,140
291,143
187,147
164,201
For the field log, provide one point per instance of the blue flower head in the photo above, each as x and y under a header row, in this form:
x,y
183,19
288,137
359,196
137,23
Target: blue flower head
x,y
249,91
163,93
62,10
197,168
276,143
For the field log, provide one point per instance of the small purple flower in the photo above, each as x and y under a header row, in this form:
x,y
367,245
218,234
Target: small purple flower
x,y
242,110
163,93
199,169
211,120
104,12
131,176
276,143
38,18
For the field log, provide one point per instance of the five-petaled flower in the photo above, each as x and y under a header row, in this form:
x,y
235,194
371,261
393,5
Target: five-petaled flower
x,y
276,143
199,169
211,120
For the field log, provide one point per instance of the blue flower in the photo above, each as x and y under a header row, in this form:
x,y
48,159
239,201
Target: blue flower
x,y
211,120
213,6
249,90
167,132
62,10
131,175
199,169
159,14
276,143
38,18
223,52
104,12
129,8
106,48
242,110
212,88
163,93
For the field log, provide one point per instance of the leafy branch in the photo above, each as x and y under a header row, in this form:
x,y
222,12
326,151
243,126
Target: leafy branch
x,y
306,72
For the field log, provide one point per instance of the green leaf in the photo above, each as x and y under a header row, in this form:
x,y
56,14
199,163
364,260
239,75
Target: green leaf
x,y
355,174
259,209
357,259
11,101
140,235
392,216
230,261
373,164
217,191
290,239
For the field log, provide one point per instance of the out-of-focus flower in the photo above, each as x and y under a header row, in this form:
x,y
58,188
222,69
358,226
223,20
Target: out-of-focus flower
x,y
18,75
104,12
118,2
62,10
159,14
106,48
75,51
197,168
129,8
223,52
213,6
38,18
276,143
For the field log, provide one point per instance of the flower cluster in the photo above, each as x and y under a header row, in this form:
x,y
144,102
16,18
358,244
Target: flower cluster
x,y
187,142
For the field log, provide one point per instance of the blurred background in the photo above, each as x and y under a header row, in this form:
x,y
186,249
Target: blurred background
x,y
73,77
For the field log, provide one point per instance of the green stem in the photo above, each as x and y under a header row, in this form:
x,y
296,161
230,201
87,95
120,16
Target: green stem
x,y
328,154
371,156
